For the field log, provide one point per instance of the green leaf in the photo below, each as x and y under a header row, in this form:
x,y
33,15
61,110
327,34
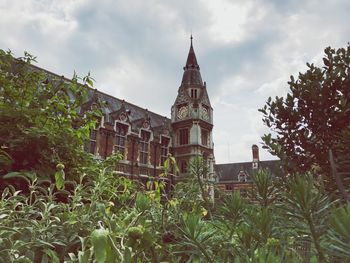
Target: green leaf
x,y
99,239
27,176
83,256
142,202
127,255
52,255
59,178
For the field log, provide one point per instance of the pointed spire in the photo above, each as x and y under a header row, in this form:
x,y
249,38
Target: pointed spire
x,y
191,58
192,74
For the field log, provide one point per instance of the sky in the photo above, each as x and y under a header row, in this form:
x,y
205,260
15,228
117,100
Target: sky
x,y
136,50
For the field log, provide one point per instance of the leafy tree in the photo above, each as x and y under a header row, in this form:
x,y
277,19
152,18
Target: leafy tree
x,y
311,119
40,121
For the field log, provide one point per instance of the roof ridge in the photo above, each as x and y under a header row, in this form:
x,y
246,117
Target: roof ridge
x,y
99,91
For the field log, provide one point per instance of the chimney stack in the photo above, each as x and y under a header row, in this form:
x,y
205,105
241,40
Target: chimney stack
x,y
255,163
255,150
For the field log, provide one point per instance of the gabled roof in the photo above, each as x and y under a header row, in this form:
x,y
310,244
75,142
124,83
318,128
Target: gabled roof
x,y
228,172
136,114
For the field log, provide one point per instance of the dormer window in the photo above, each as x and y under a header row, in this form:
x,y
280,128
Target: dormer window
x,y
194,93
242,177
107,118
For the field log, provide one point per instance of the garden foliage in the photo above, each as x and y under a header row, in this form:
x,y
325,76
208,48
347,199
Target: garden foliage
x,y
98,223
74,209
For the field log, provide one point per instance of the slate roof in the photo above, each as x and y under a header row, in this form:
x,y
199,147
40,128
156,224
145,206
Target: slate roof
x,y
229,172
192,75
136,114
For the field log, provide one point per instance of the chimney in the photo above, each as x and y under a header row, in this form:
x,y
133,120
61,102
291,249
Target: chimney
x,y
255,151
255,163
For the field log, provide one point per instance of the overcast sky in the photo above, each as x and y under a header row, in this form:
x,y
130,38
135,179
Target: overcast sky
x,y
135,50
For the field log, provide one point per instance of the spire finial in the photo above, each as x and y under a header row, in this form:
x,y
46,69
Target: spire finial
x,y
191,38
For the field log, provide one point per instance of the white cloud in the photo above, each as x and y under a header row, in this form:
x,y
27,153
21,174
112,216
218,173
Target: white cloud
x,y
136,49
227,20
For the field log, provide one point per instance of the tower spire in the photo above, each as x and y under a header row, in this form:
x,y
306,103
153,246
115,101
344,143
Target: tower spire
x,y
191,74
191,62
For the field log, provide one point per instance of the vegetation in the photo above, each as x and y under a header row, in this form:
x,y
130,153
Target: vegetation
x,y
74,209
40,121
314,117
130,225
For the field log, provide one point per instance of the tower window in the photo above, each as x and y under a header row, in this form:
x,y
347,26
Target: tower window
x,y
194,93
183,168
183,138
164,149
204,138
120,138
144,146
90,145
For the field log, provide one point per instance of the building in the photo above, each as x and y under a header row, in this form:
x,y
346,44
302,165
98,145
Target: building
x,y
238,176
145,138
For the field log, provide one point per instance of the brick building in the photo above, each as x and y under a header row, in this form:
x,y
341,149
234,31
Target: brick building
x,y
145,138
238,176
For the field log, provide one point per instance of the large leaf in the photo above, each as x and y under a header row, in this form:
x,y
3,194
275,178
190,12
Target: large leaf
x,y
59,179
99,239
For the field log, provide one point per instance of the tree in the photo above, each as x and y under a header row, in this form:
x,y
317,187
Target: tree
x,y
311,119
40,121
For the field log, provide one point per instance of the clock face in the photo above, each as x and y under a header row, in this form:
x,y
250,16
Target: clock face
x,y
205,114
182,112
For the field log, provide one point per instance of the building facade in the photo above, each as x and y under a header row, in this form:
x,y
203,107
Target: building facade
x,y
145,138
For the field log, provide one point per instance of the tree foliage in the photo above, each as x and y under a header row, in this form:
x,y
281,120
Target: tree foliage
x,y
314,115
40,121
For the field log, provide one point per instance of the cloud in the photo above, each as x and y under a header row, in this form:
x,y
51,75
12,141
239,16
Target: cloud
x,y
247,49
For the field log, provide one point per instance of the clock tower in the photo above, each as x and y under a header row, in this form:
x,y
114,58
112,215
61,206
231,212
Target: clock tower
x,y
192,118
